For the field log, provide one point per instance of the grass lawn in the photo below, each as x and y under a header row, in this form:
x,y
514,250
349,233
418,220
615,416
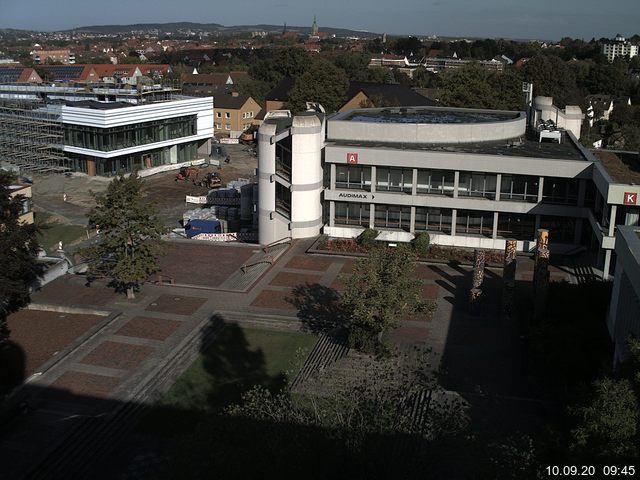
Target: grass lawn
x,y
52,232
238,359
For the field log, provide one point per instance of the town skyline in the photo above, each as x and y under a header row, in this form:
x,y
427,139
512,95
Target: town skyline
x,y
460,18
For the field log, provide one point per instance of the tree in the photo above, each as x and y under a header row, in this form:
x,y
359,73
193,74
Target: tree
x,y
129,235
476,87
551,77
323,82
19,247
382,288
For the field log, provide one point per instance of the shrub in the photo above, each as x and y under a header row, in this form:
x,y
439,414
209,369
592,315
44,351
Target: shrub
x,y
421,243
368,237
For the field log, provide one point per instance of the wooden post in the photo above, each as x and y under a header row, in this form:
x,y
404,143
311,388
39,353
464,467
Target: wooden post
x,y
478,268
541,273
509,278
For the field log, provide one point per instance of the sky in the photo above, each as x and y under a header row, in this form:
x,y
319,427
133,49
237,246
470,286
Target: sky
x,y
539,19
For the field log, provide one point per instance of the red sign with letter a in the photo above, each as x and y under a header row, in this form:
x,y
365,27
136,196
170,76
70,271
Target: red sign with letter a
x,y
352,158
630,198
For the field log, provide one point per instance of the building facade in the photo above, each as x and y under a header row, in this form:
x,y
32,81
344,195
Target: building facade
x,y
624,319
619,47
234,114
102,130
470,178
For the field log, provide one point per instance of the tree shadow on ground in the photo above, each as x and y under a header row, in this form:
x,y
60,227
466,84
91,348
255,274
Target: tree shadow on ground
x,y
227,368
319,307
13,362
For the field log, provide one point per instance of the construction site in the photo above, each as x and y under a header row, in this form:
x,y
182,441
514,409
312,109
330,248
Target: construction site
x,y
31,137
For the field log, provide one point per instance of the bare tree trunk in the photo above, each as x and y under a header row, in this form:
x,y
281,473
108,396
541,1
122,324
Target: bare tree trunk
x,y
130,293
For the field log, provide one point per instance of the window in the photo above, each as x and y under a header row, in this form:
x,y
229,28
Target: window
x,y
520,227
519,188
433,219
435,182
352,177
218,125
393,216
472,184
352,214
560,191
394,179
227,115
283,200
244,115
561,229
227,127
218,115
472,222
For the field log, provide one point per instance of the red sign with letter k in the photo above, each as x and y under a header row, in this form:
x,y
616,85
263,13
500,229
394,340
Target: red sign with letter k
x,y
630,198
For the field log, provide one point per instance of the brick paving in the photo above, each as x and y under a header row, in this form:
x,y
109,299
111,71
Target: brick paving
x,y
74,290
86,384
148,327
203,264
307,262
41,334
273,299
108,366
289,279
117,355
176,304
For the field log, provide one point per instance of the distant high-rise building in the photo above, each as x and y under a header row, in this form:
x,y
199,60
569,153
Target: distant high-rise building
x,y
314,27
619,47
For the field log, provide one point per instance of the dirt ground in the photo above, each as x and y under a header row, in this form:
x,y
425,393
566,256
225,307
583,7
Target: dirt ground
x,y
167,195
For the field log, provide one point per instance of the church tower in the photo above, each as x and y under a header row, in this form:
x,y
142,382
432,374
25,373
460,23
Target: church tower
x,y
314,28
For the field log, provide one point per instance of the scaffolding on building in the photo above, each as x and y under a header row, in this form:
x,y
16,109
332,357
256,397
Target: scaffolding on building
x,y
31,138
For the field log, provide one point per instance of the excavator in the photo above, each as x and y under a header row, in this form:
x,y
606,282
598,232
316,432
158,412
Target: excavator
x,y
211,180
188,173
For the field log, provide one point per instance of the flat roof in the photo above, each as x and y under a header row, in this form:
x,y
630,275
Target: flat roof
x,y
622,167
436,115
527,146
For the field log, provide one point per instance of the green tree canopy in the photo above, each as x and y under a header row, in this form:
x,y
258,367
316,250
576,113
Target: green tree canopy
x,y
129,235
382,288
475,87
18,251
323,82
552,77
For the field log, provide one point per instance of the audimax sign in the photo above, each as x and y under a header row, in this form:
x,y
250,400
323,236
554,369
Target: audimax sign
x,y
360,196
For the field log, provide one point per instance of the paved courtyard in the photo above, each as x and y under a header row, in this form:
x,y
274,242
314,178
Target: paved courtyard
x,y
134,344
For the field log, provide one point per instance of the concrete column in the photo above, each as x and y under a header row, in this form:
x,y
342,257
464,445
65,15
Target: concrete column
x,y
332,213
494,235
456,183
612,220
372,214
582,190
607,265
498,185
454,219
414,187
373,179
332,177
412,228
540,188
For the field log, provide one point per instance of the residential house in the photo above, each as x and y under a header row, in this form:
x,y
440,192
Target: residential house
x,y
65,56
363,94
26,215
15,73
200,84
234,113
279,95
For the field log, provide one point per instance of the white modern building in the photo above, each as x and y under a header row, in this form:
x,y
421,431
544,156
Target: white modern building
x,y
619,47
105,130
470,178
